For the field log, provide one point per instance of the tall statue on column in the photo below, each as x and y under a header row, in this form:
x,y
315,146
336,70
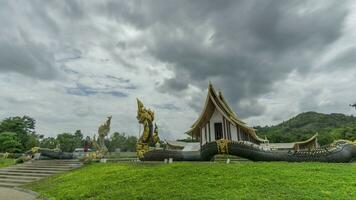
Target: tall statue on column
x,y
150,135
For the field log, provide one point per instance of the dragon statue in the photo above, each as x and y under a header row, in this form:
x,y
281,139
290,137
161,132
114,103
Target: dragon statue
x,y
150,135
99,144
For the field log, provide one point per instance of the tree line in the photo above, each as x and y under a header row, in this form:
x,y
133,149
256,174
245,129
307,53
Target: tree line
x,y
18,135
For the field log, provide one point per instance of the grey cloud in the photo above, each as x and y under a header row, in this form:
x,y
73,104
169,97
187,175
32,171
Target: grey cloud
x,y
68,55
347,59
83,90
244,47
125,83
167,106
27,58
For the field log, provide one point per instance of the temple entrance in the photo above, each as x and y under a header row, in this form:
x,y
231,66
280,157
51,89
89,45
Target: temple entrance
x,y
218,131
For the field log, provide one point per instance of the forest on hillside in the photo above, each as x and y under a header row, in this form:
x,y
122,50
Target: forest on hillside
x,y
330,127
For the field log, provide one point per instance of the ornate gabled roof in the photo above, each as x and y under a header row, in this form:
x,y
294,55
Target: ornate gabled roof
x,y
217,101
312,139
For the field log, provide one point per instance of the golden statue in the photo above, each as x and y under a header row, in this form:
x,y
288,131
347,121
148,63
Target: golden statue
x,y
103,131
146,117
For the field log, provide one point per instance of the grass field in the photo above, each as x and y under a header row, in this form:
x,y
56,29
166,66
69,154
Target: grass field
x,y
6,162
246,180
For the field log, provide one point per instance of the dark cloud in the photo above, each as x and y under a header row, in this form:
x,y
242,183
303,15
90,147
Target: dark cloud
x,y
167,106
124,83
346,59
83,90
28,58
243,47
21,50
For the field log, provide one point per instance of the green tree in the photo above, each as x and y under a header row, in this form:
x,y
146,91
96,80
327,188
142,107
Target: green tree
x,y
9,142
79,138
50,143
120,140
68,142
24,128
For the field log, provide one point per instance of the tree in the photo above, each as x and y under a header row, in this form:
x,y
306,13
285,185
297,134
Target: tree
x,y
120,140
24,128
50,143
9,142
79,138
68,142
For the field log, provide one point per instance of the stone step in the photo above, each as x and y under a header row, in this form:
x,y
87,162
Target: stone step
x,y
40,169
24,174
45,168
49,165
9,185
55,161
20,181
17,175
31,178
29,171
53,164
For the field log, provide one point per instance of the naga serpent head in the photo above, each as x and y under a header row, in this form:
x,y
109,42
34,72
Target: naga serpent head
x,y
144,114
348,143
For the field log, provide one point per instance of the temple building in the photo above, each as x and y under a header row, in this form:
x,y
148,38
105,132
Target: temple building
x,y
218,121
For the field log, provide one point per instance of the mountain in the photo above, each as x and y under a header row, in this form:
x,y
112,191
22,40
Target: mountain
x,y
301,127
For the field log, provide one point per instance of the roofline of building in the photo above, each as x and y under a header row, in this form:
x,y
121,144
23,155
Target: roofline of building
x,y
223,107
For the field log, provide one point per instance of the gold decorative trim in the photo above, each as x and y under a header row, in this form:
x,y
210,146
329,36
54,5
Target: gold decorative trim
x,y
223,147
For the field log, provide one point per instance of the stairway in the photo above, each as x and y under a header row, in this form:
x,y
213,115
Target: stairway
x,y
34,170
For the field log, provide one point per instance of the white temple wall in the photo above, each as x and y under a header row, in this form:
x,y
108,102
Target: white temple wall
x,y
233,132
215,118
203,139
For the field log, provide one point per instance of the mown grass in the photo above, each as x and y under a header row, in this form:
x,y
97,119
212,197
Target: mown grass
x,y
6,162
247,180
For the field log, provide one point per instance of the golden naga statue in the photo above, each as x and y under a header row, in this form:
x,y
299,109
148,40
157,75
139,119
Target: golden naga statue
x,y
146,117
103,131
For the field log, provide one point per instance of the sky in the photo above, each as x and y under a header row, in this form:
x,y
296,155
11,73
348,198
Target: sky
x,y
70,64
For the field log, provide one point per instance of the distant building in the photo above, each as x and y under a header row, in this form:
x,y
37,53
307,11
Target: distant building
x,y
184,146
310,144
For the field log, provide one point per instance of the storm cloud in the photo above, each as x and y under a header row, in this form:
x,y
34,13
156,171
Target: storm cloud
x,y
77,61
241,46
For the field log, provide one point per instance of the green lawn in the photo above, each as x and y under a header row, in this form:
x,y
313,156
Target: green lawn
x,y
246,180
6,162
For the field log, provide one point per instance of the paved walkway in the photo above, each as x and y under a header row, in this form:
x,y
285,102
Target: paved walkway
x,y
12,194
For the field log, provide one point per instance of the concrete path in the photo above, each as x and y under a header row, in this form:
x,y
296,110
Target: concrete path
x,y
12,194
